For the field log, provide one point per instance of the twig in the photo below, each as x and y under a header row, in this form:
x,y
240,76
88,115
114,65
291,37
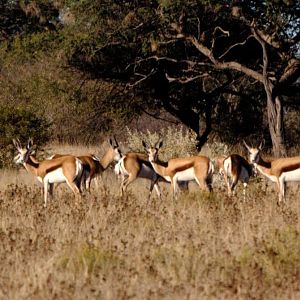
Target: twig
x,y
144,77
158,118
183,81
235,45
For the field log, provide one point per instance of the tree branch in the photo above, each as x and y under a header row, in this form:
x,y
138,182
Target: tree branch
x,y
232,65
225,33
144,77
235,45
269,39
158,118
183,81
169,59
190,66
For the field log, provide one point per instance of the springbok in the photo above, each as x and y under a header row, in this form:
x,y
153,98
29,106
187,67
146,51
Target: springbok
x,y
280,170
67,169
136,165
234,168
198,168
93,166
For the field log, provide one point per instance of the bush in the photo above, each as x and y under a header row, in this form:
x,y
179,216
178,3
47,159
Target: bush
x,y
21,124
177,142
217,149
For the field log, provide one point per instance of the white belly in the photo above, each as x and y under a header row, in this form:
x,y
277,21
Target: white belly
x,y
55,176
291,175
186,175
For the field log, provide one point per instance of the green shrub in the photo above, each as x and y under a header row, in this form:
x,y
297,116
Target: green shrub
x,y
21,124
177,142
218,149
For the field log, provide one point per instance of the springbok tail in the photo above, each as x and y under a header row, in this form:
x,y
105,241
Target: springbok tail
x,y
79,172
211,168
209,179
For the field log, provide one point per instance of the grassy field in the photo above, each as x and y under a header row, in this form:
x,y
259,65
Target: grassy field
x,y
110,247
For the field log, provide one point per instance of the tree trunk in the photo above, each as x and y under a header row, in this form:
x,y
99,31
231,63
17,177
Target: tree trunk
x,y
274,107
202,138
192,121
275,122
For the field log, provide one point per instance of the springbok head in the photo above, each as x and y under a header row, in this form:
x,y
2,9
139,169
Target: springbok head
x,y
254,153
23,153
152,151
115,150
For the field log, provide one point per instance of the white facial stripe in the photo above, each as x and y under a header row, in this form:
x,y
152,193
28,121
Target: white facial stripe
x,y
118,154
254,155
152,153
20,157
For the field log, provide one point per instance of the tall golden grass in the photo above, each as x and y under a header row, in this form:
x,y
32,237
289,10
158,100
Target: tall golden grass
x,y
110,247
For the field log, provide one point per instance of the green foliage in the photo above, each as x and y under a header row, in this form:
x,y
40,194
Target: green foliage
x,y
107,36
29,48
21,124
177,142
132,45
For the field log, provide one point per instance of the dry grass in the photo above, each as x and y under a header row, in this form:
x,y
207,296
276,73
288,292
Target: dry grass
x,y
200,247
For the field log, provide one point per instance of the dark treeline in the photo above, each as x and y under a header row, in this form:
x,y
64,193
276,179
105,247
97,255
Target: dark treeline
x,y
72,70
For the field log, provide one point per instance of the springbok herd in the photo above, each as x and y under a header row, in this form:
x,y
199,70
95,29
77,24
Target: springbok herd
x,y
79,171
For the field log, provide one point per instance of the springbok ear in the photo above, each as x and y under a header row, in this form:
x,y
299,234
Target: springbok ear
x,y
145,145
248,148
261,145
116,143
158,144
29,143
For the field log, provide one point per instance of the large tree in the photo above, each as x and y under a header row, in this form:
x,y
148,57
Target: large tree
x,y
275,26
200,60
185,56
